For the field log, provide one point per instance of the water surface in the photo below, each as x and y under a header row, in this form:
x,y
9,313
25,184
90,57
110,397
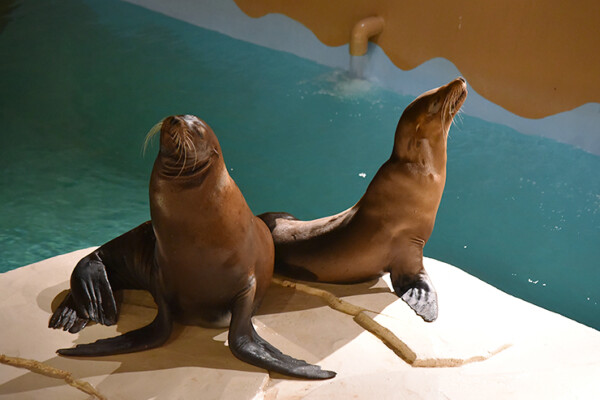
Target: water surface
x,y
82,82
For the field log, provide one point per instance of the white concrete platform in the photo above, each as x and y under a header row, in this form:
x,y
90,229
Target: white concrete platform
x,y
527,352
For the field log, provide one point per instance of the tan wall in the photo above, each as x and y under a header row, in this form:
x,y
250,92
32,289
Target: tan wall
x,y
534,58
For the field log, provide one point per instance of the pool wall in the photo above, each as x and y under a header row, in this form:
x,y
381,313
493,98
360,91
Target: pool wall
x,y
536,61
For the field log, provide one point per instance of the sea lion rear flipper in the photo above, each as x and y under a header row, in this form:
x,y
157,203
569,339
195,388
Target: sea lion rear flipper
x,y
418,292
246,345
150,336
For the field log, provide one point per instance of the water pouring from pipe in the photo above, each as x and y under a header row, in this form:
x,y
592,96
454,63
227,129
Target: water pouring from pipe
x,y
359,39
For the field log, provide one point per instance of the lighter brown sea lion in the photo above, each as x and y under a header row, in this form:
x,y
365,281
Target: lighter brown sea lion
x,y
204,257
389,226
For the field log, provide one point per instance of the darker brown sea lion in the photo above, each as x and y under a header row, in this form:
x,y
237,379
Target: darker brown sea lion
x,y
204,257
387,229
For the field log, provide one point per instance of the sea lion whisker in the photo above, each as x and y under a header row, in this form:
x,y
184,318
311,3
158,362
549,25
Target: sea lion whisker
x,y
459,117
449,108
178,148
184,160
188,145
151,133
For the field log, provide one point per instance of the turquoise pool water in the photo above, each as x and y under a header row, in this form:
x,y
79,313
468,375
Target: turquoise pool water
x,y
83,81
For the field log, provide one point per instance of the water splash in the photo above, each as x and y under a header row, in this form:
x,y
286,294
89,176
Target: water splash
x,y
340,84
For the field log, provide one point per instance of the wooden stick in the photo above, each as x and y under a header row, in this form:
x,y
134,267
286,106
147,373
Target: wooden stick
x,y
46,370
384,334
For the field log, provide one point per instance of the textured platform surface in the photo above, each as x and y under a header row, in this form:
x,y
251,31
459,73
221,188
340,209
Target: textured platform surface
x,y
513,350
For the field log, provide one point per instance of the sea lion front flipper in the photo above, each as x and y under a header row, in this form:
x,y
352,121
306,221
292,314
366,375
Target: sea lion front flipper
x,y
92,292
91,298
123,263
65,317
150,336
246,345
418,292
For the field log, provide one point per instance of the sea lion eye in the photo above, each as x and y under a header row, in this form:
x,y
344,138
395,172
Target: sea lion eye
x,y
434,106
200,131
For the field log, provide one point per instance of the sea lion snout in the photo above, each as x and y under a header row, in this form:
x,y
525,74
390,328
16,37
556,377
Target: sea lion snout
x,y
187,145
186,120
457,95
185,129
454,88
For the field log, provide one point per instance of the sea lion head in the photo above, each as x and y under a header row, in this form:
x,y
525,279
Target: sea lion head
x,y
188,146
422,131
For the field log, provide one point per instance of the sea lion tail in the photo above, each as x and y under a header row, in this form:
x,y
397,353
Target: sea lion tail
x,y
270,218
246,345
150,336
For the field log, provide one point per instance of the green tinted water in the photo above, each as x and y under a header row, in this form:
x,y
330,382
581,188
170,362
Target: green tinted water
x,y
81,83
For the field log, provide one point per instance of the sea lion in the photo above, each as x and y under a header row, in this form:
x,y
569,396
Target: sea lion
x,y
204,257
388,227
